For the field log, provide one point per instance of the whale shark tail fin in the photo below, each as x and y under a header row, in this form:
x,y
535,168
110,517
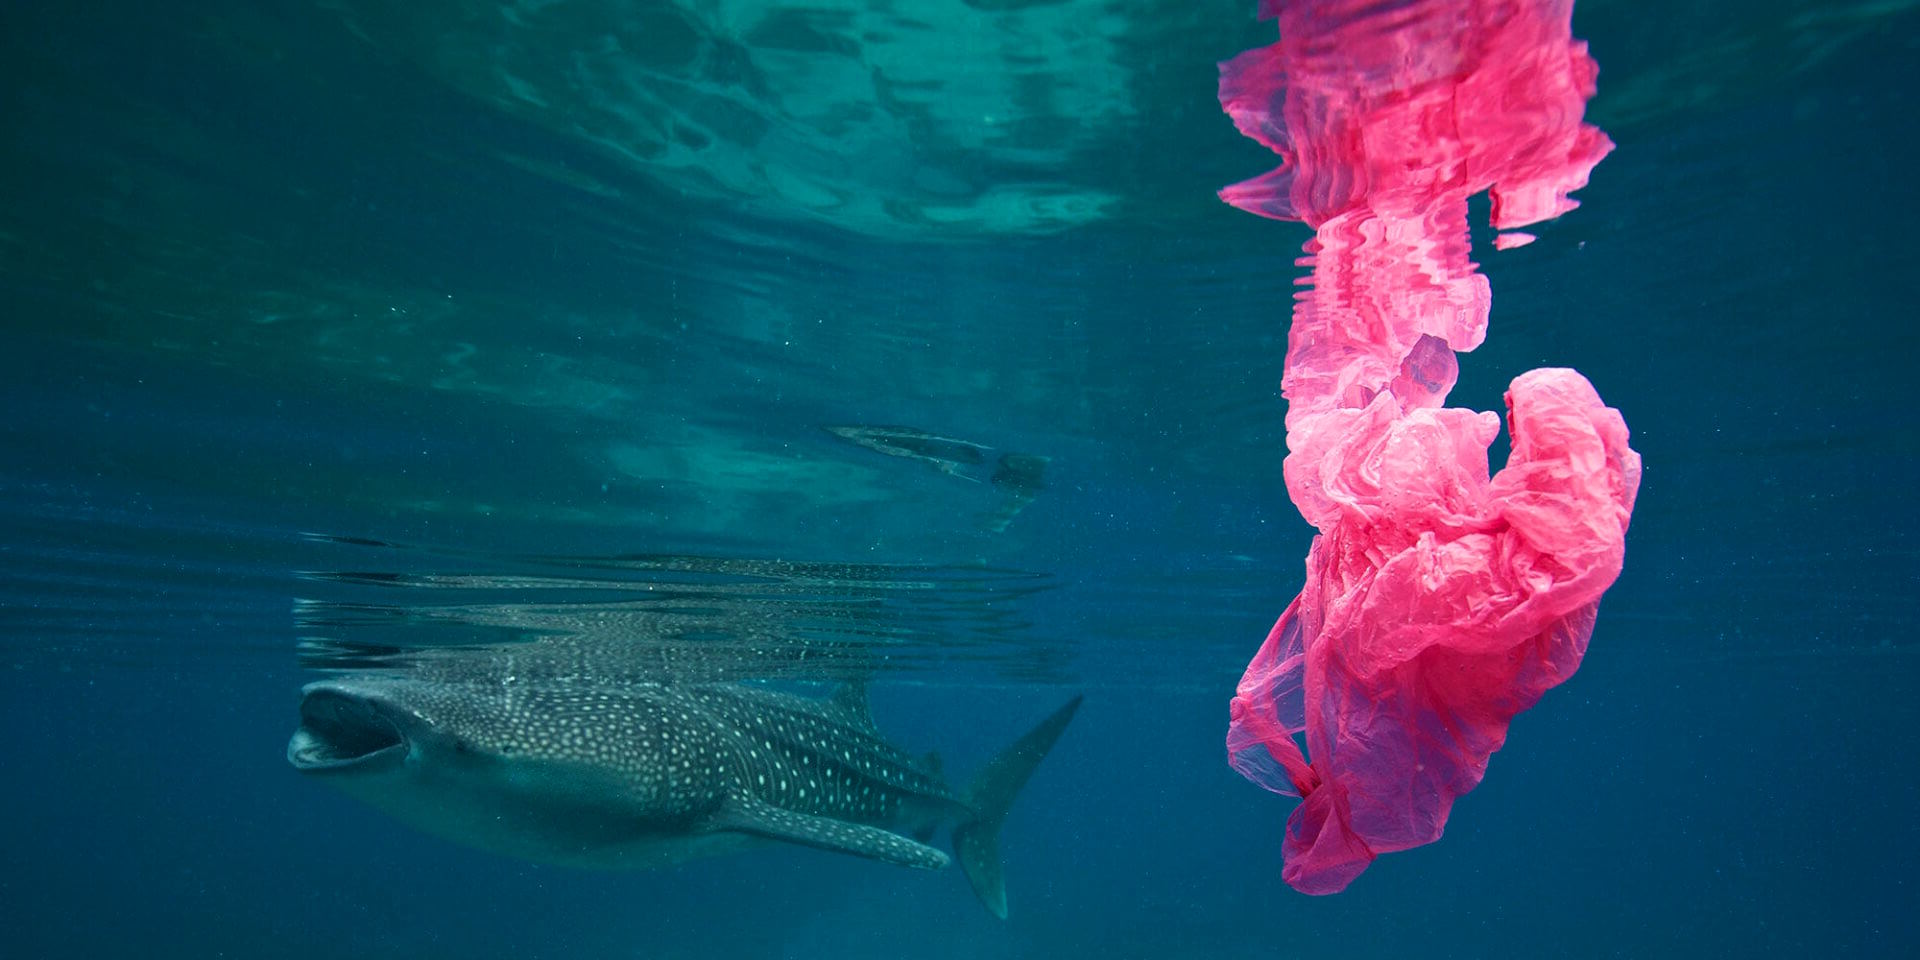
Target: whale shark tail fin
x,y
976,842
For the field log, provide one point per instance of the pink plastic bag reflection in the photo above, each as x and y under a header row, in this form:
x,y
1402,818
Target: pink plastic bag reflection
x,y
1438,602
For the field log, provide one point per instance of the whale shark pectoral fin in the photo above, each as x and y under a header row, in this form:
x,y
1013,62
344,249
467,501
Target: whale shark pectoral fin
x,y
761,819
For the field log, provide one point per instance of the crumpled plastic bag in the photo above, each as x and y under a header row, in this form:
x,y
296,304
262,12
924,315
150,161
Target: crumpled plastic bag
x,y
1438,602
1437,606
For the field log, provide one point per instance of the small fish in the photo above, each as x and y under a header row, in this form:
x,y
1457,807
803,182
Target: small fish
x,y
567,769
1022,476
943,453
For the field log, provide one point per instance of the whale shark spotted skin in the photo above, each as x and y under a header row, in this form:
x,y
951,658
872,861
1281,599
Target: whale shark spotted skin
x,y
577,771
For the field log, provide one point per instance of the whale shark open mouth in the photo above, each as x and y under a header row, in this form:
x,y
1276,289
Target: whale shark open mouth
x,y
339,731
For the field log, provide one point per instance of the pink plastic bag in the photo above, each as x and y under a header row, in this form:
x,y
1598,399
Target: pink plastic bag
x,y
1438,602
1430,618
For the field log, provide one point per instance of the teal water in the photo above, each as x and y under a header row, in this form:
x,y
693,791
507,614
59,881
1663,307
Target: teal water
x,y
331,329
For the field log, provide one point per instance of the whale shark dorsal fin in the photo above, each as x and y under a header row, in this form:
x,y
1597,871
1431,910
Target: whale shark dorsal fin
x,y
759,818
851,699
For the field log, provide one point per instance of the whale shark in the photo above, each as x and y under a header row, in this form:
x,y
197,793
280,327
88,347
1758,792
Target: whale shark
x,y
566,768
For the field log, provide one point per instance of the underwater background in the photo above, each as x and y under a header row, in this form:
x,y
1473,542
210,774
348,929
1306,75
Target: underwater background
x,y
337,327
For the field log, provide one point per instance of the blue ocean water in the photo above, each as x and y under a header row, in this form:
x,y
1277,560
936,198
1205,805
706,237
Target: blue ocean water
x,y
333,328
